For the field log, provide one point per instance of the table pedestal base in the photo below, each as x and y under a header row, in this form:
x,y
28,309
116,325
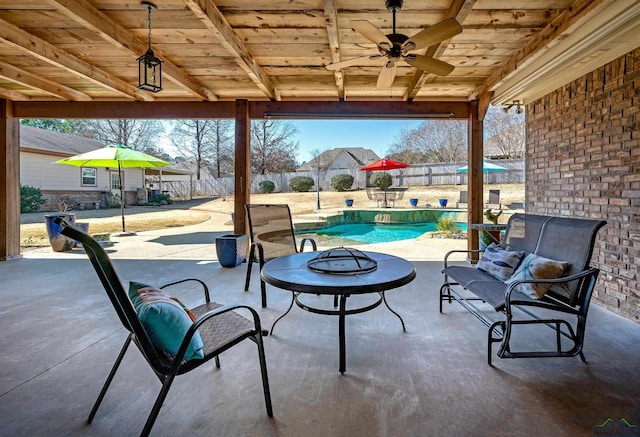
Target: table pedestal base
x,y
341,312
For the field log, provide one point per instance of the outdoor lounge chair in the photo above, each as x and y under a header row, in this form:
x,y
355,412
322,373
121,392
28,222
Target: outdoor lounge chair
x,y
494,199
464,199
215,329
271,231
371,193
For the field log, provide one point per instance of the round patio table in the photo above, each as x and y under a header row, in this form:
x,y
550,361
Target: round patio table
x,y
292,273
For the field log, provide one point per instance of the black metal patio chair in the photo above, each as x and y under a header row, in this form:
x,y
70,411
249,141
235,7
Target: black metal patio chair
x,y
219,328
271,231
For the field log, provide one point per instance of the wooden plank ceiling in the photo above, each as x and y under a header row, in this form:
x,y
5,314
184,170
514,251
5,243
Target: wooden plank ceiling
x,y
86,50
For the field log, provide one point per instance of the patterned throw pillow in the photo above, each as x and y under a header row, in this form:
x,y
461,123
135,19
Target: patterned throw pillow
x,y
537,267
498,262
165,319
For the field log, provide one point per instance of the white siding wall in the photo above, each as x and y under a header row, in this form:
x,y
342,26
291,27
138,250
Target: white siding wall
x,y
37,170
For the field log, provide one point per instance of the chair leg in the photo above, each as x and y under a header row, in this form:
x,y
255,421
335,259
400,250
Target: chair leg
x,y
105,387
249,263
263,292
263,285
265,377
166,385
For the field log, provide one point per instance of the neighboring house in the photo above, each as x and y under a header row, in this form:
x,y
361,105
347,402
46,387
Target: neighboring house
x,y
340,158
75,187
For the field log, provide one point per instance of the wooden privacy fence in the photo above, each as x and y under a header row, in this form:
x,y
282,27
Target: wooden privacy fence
x,y
414,175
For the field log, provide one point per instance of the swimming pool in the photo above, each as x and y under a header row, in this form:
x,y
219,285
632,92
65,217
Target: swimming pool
x,y
367,233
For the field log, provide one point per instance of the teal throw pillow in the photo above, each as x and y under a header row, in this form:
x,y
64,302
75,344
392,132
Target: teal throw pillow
x,y
537,267
165,319
498,262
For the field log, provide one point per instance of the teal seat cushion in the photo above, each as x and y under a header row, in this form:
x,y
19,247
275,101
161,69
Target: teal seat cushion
x,y
165,319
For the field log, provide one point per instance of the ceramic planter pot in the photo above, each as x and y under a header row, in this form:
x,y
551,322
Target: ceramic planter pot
x,y
231,249
59,243
84,227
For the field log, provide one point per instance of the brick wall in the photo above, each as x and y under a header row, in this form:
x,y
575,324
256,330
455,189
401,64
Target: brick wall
x,y
583,160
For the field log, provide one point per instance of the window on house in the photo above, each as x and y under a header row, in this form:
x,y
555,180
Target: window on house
x,y
89,177
115,181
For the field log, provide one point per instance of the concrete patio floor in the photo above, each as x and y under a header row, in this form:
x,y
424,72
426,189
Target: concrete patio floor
x,y
61,336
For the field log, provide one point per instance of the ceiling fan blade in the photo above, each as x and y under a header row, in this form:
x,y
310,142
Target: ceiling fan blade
x,y
433,35
371,32
429,65
363,61
387,75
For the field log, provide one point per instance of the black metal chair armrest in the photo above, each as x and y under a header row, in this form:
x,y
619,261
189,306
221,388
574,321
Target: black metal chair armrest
x,y
451,252
540,303
208,316
205,289
260,255
310,240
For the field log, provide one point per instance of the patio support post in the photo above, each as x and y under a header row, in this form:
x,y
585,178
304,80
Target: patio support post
x,y
242,166
9,182
474,181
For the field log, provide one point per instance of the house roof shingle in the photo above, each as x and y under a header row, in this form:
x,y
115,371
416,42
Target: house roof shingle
x,y
46,140
360,156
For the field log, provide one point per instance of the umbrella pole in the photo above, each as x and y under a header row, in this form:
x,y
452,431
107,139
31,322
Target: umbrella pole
x,y
121,196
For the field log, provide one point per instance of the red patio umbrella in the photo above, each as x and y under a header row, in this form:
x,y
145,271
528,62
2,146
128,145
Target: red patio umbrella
x,y
384,164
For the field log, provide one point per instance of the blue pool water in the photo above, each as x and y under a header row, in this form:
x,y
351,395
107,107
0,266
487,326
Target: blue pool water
x,y
368,233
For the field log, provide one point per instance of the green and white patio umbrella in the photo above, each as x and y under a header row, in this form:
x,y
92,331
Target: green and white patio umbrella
x,y
115,156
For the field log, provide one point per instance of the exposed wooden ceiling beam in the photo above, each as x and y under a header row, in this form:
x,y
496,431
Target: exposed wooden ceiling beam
x,y
550,35
213,20
371,110
165,110
331,17
12,95
31,80
50,54
459,9
87,15
484,100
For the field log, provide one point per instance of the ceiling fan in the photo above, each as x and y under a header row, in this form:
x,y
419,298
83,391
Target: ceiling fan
x,y
396,46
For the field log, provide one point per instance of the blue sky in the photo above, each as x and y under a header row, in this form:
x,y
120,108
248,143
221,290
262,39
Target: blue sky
x,y
376,135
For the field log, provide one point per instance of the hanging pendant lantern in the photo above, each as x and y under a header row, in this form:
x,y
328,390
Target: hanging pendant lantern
x,y
149,67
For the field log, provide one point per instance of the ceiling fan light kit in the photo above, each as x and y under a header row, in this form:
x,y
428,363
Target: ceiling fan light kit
x,y
395,47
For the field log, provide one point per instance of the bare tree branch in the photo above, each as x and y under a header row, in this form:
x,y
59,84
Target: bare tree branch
x,y
207,143
138,134
273,149
505,133
432,141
